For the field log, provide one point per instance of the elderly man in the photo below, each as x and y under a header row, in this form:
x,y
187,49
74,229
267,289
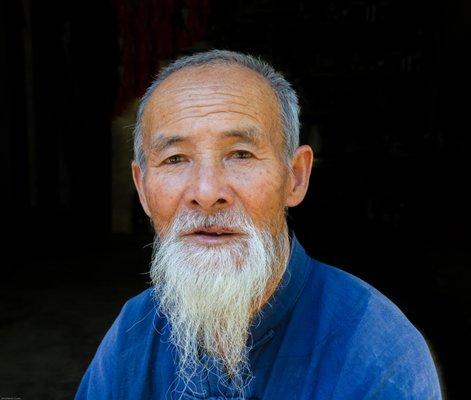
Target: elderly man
x,y
237,309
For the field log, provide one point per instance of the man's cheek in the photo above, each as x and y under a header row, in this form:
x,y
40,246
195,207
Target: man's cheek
x,y
161,193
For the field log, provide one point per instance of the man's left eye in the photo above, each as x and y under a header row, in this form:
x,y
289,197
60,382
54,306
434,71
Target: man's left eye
x,y
242,154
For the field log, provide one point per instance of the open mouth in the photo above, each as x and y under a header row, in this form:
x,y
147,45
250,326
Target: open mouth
x,y
212,235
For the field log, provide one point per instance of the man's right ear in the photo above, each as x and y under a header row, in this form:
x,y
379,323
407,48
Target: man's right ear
x,y
138,178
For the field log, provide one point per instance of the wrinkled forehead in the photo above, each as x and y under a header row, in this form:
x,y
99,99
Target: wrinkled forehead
x,y
231,77
224,88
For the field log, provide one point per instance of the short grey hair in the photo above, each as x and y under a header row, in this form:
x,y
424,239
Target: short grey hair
x,y
286,95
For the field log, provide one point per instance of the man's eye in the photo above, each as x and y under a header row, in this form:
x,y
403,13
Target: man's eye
x,y
174,159
243,154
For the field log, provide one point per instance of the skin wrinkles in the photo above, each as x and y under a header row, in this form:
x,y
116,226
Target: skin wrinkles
x,y
215,100
219,104
224,153
222,149
188,117
160,142
202,110
192,92
230,89
182,106
224,88
205,114
217,159
187,85
205,106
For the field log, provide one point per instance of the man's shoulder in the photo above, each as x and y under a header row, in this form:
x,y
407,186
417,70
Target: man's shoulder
x,y
368,332
349,306
352,296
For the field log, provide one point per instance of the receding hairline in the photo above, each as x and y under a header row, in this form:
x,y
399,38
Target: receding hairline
x,y
212,66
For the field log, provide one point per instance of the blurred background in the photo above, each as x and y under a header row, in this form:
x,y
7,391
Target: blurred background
x,y
385,95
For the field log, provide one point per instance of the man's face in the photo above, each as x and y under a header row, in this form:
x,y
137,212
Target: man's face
x,y
213,142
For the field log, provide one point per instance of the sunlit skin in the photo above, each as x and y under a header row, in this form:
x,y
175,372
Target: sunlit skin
x,y
213,141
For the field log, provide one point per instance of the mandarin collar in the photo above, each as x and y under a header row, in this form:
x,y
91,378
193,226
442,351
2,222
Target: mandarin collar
x,y
282,301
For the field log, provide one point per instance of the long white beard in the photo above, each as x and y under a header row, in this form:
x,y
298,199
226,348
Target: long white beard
x,y
208,293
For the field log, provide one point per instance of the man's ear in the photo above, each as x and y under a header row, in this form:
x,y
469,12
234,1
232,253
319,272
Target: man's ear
x,y
138,178
301,165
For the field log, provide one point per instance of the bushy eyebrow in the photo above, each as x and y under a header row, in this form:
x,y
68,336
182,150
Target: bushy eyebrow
x,y
248,135
159,142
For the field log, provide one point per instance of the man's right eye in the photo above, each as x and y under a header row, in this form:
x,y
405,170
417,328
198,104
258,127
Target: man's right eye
x,y
174,159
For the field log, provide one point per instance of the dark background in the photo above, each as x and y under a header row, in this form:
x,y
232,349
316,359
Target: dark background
x,y
384,87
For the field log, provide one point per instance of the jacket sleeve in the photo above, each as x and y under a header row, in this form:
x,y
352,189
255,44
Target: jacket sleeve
x,y
410,373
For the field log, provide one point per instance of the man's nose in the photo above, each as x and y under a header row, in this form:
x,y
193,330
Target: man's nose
x,y
209,189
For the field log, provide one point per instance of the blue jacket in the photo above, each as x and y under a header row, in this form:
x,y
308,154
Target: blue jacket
x,y
325,334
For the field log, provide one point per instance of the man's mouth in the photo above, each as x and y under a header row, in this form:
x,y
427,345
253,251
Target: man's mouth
x,y
212,235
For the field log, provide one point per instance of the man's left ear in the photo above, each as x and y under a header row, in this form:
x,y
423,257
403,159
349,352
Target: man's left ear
x,y
301,165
